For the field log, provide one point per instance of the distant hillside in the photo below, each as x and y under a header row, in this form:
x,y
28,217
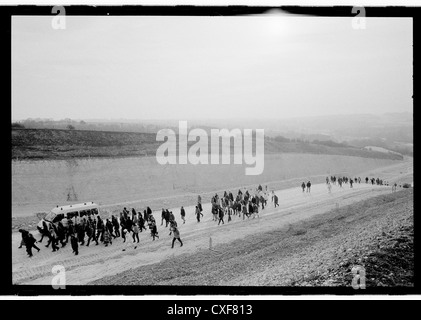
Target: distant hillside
x,y
58,144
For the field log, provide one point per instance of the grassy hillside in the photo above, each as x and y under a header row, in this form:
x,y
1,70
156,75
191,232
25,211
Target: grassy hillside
x,y
62,144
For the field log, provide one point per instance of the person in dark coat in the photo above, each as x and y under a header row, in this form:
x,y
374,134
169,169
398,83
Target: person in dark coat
x,y
110,228
24,234
141,223
256,211
198,214
129,225
162,216
244,206
91,231
308,186
275,200
250,208
303,186
183,214
100,229
116,226
167,217
75,244
107,237
80,231
154,231
125,213
30,243
43,230
172,218
54,238
263,201
221,216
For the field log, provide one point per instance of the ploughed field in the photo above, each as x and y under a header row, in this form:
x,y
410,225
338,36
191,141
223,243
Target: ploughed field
x,y
64,144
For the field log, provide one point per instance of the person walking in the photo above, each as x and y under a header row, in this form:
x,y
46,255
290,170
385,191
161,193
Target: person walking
x,y
149,211
124,234
125,213
100,229
244,206
183,214
303,186
54,238
167,217
136,233
75,244
308,186
91,231
176,236
275,199
24,235
198,213
110,228
129,225
29,241
163,216
107,237
116,226
141,223
221,216
255,211
135,217
250,208
154,231
172,218
329,187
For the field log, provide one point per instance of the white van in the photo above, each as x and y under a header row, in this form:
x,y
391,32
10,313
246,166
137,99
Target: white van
x,y
73,210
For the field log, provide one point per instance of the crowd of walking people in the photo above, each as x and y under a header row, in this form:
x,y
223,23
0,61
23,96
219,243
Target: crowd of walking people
x,y
82,230
345,180
91,228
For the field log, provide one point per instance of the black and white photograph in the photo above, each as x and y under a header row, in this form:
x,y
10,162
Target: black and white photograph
x,y
205,151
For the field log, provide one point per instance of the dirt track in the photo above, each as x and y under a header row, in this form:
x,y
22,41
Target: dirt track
x,y
97,262
376,234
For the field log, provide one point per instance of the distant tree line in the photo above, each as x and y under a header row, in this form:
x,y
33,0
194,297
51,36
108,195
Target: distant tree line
x,y
17,125
69,124
328,143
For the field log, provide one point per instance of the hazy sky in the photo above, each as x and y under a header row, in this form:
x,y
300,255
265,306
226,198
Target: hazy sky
x,y
152,67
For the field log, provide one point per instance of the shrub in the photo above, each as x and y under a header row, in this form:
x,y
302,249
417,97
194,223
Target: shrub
x,y
17,125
